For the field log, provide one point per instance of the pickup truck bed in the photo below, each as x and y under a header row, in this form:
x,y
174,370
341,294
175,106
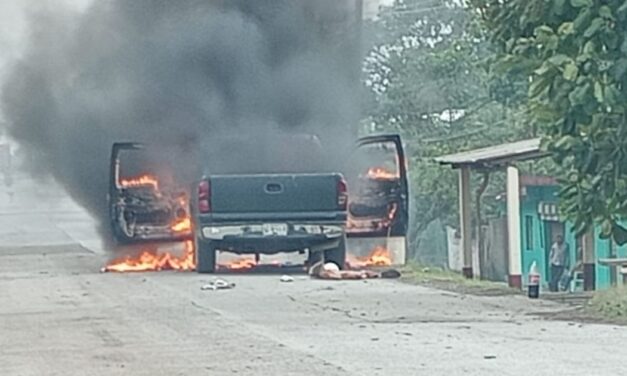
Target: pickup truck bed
x,y
270,213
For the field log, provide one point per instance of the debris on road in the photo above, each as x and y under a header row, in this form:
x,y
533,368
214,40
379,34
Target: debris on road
x,y
218,284
287,278
332,271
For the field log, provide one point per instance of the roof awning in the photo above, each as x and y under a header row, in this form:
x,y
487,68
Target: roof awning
x,y
495,156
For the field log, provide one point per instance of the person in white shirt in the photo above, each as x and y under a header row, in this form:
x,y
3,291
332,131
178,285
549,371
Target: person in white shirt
x,y
558,259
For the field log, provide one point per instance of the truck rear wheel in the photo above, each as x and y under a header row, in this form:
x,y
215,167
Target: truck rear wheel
x,y
337,255
205,257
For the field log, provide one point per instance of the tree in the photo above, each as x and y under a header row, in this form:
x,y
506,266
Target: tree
x,y
429,80
574,53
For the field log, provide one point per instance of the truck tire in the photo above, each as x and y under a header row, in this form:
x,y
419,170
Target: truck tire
x,y
205,257
337,255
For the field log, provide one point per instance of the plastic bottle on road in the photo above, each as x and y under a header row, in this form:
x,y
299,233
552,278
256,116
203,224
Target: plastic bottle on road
x,y
533,287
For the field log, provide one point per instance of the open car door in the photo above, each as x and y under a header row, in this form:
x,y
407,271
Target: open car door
x,y
144,204
378,195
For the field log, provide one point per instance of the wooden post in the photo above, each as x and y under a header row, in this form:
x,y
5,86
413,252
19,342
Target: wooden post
x,y
513,228
464,220
589,261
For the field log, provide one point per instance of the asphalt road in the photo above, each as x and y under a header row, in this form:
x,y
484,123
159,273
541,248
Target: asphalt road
x,y
60,316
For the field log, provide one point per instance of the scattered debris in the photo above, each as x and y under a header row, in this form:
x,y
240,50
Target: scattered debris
x,y
287,278
218,284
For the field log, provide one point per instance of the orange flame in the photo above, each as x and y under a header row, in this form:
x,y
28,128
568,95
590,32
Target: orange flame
x,y
379,173
380,256
140,181
245,263
183,225
241,263
151,261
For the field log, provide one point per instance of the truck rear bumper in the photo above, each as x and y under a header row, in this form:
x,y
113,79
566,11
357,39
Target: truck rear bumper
x,y
273,238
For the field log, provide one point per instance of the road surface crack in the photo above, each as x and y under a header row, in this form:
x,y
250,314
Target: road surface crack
x,y
324,307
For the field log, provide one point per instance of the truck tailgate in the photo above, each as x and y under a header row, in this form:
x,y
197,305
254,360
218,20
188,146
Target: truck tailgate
x,y
274,193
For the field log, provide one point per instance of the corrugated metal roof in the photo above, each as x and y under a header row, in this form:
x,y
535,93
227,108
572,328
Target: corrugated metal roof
x,y
495,155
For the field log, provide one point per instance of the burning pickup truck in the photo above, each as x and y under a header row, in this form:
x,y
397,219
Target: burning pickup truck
x,y
145,207
274,195
271,196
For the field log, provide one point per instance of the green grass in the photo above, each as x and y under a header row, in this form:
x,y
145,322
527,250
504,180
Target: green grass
x,y
453,281
609,305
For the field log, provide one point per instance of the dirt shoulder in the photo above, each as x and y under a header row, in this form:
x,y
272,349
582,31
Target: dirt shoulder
x,y
599,307
454,282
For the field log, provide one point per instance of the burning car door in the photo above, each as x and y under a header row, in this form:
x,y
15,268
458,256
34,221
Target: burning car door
x,y
144,204
378,196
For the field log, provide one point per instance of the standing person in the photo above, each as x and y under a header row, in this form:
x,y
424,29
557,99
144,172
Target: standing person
x,y
558,259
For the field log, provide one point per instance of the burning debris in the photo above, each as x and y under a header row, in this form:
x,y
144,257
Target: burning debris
x,y
182,226
153,260
380,173
380,256
242,263
373,206
141,181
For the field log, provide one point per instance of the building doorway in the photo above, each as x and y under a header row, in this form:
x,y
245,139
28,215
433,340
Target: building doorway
x,y
553,229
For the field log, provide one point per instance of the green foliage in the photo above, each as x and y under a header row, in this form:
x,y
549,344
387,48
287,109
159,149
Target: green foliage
x,y
575,54
430,80
610,305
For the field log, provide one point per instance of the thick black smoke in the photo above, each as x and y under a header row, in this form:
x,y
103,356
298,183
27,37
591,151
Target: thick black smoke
x,y
178,73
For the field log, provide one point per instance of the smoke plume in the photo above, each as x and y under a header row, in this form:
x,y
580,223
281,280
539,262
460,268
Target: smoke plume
x,y
180,74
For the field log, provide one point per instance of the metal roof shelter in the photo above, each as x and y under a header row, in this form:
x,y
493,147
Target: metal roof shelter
x,y
493,157
503,156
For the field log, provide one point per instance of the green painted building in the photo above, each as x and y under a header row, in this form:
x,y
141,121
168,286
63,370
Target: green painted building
x,y
540,224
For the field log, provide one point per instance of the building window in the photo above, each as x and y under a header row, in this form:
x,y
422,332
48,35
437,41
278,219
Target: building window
x,y
528,232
